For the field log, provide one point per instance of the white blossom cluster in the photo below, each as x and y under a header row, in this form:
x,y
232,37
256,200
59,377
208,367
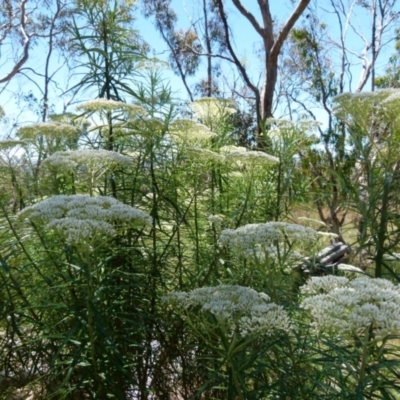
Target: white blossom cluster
x,y
204,155
48,129
245,239
353,307
216,219
80,217
148,127
277,253
97,158
393,97
232,149
252,157
234,306
356,105
209,109
187,130
10,143
109,105
284,128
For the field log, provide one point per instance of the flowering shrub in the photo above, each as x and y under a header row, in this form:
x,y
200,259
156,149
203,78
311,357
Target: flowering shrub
x,y
82,218
353,307
246,239
234,307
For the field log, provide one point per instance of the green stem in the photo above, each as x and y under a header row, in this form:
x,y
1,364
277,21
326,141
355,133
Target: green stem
x,y
364,364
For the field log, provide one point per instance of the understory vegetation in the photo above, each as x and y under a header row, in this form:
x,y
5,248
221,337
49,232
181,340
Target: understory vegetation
x,y
177,265
152,248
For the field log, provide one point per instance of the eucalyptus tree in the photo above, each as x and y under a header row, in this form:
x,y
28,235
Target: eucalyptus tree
x,y
203,39
217,41
28,25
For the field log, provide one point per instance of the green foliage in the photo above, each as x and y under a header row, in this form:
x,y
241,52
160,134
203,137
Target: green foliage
x,y
106,47
94,238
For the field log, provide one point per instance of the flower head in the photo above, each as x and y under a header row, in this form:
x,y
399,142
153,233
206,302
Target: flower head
x,y
51,130
234,306
187,130
204,155
232,149
82,218
353,307
252,158
10,143
102,104
208,109
248,238
100,159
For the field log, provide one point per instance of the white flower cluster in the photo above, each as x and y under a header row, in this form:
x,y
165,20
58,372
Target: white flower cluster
x,y
81,217
97,158
208,109
10,143
204,155
216,219
48,129
353,307
252,157
284,128
286,259
252,236
235,306
394,96
109,105
187,130
232,149
149,127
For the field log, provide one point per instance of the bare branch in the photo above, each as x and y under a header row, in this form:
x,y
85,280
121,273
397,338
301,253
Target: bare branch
x,y
237,62
283,34
249,16
27,42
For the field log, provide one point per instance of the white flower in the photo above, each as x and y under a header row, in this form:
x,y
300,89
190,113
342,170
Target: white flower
x,y
248,237
99,159
187,130
109,105
208,109
348,307
317,285
81,217
232,149
215,219
252,158
52,130
10,143
149,127
204,155
235,306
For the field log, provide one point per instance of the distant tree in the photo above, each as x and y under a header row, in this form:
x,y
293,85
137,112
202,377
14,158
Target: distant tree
x,y
272,46
203,39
